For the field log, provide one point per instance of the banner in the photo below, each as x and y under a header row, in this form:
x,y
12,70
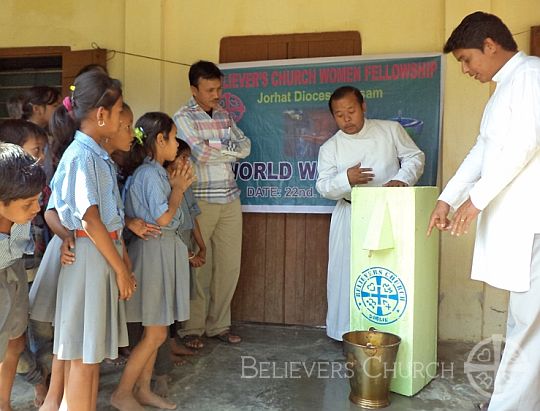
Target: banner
x,y
282,106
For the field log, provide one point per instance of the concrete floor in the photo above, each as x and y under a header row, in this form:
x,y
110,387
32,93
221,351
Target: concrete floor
x,y
251,376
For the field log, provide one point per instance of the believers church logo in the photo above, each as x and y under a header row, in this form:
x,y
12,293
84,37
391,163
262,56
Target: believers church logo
x,y
380,295
234,105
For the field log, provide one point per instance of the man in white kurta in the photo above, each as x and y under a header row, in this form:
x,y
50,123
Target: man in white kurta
x,y
368,152
498,182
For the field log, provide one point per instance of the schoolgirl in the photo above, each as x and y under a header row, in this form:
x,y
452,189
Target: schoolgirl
x,y
160,264
37,106
89,318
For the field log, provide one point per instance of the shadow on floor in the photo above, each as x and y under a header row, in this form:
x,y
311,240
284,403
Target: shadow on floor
x,y
285,368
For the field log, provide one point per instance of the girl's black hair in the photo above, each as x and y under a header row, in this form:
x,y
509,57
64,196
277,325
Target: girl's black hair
x,y
93,89
20,175
19,131
14,106
122,158
182,146
92,67
37,96
150,125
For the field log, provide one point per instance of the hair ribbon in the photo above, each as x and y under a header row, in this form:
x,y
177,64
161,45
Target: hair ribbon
x,y
67,104
139,135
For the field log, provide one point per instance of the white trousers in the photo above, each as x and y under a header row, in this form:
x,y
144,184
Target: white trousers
x,y
517,384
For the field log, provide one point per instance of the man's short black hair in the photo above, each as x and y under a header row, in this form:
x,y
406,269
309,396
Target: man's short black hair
x,y
20,175
203,69
341,92
475,28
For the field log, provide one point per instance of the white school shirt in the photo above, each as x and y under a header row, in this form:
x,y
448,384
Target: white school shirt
x,y
501,176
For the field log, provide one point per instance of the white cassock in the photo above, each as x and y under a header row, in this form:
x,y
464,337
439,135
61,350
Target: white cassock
x,y
383,146
500,176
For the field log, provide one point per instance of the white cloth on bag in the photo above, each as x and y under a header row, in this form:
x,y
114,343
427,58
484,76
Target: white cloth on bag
x,y
500,174
383,146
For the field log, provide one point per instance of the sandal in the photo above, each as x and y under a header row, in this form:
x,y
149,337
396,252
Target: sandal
x,y
228,338
193,341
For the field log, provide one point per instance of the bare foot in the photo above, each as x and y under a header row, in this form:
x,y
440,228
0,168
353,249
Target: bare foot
x,y
161,386
40,392
180,349
177,360
193,341
125,402
153,400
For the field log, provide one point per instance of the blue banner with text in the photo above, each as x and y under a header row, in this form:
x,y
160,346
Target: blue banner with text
x,y
282,106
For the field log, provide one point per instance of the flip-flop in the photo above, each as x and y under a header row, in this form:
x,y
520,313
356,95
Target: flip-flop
x,y
228,338
193,341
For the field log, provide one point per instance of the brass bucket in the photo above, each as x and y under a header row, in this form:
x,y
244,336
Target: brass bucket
x,y
370,362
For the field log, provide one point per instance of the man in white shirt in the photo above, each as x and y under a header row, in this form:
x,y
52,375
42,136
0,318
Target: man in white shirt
x,y
498,183
363,152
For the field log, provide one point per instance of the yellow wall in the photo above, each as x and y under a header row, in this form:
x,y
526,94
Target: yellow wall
x,y
185,31
64,23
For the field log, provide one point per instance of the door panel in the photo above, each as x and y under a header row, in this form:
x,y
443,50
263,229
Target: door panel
x,y
284,256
